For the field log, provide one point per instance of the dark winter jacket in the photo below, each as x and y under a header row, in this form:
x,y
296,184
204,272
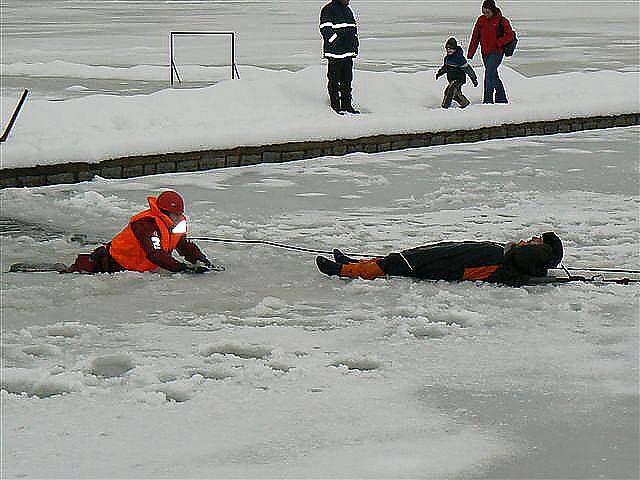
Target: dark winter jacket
x,y
488,261
339,31
457,68
485,32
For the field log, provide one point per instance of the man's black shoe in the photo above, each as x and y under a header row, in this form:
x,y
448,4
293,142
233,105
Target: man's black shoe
x,y
341,258
328,267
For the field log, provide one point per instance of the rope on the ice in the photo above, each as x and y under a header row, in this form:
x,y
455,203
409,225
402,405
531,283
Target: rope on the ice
x,y
277,245
605,270
598,278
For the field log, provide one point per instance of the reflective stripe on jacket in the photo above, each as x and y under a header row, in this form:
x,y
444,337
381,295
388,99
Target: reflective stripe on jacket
x,y
126,249
339,31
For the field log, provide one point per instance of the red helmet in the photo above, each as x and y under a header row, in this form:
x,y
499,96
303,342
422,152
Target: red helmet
x,y
171,201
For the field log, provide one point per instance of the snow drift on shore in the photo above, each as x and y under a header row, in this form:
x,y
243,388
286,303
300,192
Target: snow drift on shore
x,y
278,106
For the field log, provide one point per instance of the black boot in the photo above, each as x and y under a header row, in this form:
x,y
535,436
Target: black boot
x,y
346,104
328,267
341,258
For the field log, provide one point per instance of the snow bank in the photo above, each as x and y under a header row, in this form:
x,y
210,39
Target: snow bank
x,y
155,73
114,365
242,351
273,107
358,363
39,383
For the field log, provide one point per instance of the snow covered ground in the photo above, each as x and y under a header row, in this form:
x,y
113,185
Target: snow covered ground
x,y
269,106
274,370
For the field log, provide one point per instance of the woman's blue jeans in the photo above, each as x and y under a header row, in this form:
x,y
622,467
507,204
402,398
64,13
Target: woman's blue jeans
x,y
492,80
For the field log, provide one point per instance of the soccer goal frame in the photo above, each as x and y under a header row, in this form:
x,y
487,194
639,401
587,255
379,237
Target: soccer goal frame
x,y
172,64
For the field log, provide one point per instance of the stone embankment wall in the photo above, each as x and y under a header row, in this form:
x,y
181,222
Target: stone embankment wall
x,y
135,166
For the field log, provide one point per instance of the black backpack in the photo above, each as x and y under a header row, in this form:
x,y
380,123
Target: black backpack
x,y
510,47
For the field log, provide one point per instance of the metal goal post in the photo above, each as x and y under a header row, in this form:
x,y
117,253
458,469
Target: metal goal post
x,y
172,65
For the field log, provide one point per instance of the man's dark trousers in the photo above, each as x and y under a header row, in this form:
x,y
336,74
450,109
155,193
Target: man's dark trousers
x,y
340,74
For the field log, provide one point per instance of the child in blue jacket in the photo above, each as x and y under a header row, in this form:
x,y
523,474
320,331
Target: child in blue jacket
x,y
456,67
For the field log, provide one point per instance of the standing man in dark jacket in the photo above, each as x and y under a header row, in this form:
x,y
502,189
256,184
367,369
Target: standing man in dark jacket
x,y
340,46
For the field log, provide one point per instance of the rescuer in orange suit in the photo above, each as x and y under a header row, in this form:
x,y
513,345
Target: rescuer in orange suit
x,y
147,243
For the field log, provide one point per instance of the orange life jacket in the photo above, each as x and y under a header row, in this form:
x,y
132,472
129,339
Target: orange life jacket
x,y
126,248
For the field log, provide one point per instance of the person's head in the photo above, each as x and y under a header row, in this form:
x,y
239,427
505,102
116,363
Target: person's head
x,y
451,45
489,8
344,2
551,239
171,204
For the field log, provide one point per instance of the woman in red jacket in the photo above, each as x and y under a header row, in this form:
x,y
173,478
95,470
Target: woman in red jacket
x,y
488,26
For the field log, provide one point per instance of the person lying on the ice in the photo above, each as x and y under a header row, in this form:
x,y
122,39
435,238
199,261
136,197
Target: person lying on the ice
x,y
511,264
147,242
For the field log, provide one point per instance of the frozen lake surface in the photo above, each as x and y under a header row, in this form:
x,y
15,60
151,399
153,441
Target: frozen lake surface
x,y
274,370
408,36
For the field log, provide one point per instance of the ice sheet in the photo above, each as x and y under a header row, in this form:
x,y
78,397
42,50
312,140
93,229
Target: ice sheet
x,y
272,369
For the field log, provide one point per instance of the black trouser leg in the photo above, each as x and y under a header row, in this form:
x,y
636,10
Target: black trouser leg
x,y
333,74
346,77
